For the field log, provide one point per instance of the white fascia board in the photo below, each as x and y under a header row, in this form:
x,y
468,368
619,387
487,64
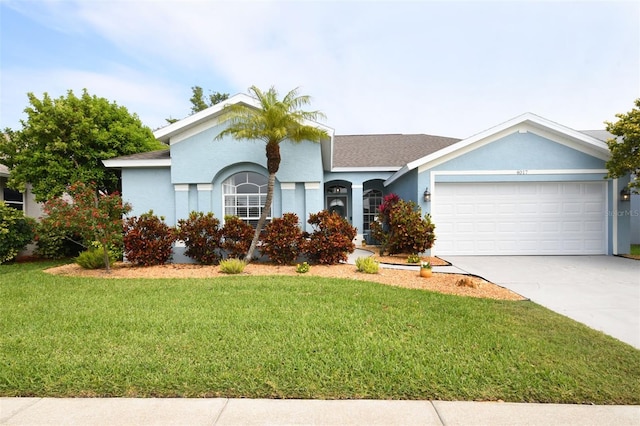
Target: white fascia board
x,y
115,163
526,122
165,133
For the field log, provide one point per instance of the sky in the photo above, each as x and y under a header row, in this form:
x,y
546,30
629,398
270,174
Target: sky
x,y
447,68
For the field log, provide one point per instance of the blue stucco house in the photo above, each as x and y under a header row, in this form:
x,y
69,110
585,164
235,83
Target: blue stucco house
x,y
528,186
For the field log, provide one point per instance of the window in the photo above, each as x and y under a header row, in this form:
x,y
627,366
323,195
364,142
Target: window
x,y
13,199
244,196
371,200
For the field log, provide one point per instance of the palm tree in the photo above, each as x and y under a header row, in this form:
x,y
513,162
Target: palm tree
x,y
275,121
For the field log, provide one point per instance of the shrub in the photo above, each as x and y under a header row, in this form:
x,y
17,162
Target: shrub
x,y
93,258
413,258
16,231
237,236
148,240
202,236
232,266
302,268
367,265
401,229
282,239
53,242
331,240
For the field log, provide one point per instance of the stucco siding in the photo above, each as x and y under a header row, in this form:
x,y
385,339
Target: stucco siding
x,y
522,151
407,186
149,189
200,157
634,218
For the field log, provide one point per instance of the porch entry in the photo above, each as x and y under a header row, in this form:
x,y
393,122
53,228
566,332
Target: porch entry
x,y
337,200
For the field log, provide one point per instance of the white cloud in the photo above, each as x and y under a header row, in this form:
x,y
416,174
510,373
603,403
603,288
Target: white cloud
x,y
152,99
442,68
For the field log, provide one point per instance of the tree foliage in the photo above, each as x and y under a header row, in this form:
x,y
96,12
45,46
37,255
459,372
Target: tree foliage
x,y
95,216
625,149
16,231
64,141
201,102
275,121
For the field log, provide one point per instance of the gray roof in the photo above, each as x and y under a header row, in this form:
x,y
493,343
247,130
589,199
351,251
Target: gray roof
x,y
162,154
392,150
603,135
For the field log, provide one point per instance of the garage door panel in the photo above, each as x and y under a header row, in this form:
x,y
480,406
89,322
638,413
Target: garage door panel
x,y
520,218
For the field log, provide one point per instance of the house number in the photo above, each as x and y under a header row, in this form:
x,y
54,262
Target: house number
x,y
522,172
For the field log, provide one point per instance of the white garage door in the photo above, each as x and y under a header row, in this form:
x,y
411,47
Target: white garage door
x,y
519,218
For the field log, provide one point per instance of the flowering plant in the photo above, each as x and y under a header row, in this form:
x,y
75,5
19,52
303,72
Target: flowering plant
x,y
426,265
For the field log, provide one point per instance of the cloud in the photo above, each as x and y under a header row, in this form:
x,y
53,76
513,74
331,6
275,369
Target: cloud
x,y
152,99
416,67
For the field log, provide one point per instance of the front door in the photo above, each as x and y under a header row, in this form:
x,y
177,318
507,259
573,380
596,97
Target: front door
x,y
338,204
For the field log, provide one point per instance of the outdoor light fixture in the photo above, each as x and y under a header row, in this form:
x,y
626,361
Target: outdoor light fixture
x,y
427,195
625,194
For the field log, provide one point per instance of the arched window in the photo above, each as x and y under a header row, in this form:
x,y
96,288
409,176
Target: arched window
x,y
244,196
371,200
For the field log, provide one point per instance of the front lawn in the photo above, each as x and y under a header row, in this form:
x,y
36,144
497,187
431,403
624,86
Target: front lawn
x,y
635,249
295,337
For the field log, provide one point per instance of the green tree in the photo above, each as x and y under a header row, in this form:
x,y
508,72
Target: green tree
x,y
94,215
199,102
64,141
275,121
625,149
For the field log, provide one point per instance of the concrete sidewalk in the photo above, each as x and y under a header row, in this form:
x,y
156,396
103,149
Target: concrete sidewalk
x,y
222,411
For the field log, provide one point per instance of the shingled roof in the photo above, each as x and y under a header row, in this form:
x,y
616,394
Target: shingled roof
x,y
391,150
161,154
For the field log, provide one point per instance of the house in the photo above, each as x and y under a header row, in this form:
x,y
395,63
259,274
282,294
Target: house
x,y
528,186
16,199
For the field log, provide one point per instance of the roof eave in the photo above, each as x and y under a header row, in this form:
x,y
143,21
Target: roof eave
x,y
595,146
122,164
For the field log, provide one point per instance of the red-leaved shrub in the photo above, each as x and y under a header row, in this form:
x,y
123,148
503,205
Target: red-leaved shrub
x,y
331,240
148,240
237,236
202,237
281,239
400,228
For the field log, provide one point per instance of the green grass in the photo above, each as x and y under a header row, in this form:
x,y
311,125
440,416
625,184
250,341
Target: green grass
x,y
635,249
295,337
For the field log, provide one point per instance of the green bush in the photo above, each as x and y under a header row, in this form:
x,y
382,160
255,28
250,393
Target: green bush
x,y
16,231
413,258
148,240
302,268
54,242
202,236
331,240
367,265
92,259
282,239
400,228
236,237
232,266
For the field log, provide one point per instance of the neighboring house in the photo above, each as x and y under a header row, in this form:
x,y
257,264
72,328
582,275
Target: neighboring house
x,y
18,200
528,186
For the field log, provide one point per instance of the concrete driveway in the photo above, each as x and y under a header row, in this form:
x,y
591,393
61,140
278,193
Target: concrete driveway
x,y
602,292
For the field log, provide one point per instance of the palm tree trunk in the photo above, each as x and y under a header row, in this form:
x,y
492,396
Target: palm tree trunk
x,y
263,217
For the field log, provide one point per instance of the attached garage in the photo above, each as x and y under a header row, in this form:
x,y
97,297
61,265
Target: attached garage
x,y
520,218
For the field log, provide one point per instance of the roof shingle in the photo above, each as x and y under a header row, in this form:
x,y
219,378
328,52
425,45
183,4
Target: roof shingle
x,y
390,150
